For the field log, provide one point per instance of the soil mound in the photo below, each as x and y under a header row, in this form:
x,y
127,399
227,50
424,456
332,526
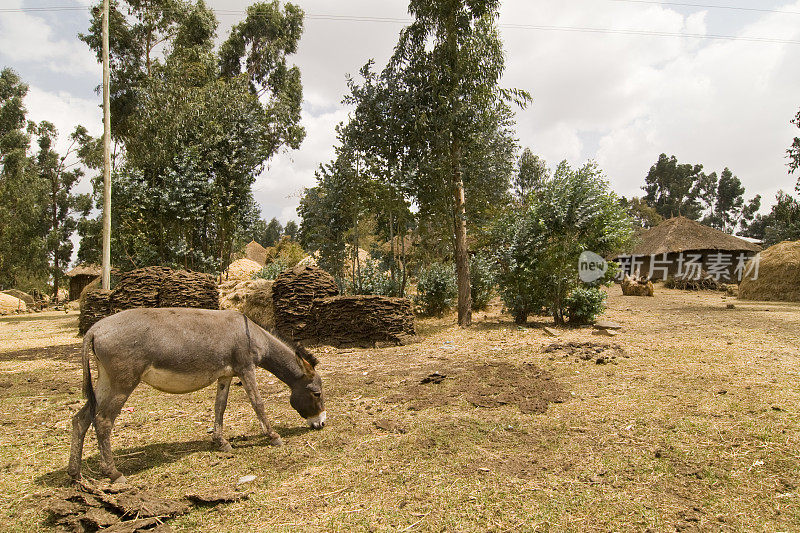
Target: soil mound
x,y
778,275
490,385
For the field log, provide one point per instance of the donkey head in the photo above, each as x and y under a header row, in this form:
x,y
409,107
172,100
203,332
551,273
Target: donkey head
x,y
307,397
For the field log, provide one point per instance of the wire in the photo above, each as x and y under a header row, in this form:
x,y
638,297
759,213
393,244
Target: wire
x,y
709,6
573,29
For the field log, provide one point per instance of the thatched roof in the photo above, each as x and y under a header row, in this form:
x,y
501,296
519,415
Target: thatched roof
x,y
680,234
85,270
255,252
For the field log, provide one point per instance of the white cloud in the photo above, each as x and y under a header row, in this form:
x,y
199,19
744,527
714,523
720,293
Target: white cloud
x,y
27,38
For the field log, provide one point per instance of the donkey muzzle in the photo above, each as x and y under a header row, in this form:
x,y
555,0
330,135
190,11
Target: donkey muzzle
x,y
317,422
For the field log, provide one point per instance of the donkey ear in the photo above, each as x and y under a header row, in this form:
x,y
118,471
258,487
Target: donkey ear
x,y
308,370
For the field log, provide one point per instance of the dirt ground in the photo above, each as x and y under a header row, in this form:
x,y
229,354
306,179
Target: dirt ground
x,y
687,420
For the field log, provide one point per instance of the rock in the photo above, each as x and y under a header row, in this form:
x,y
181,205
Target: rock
x,y
730,306
606,324
606,332
246,479
551,332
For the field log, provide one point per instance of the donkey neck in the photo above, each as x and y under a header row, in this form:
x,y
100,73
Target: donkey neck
x,y
281,361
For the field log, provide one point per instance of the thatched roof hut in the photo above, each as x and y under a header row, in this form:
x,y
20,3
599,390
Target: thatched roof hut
x,y
775,274
80,277
667,249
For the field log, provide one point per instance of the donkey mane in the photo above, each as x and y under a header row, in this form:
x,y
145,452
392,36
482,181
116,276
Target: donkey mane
x,y
298,349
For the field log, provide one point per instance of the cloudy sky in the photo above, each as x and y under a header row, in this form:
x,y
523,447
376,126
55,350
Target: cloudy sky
x,y
611,81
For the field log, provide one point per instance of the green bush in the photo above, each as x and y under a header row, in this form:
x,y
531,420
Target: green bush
x,y
584,304
436,289
272,270
537,248
482,281
373,280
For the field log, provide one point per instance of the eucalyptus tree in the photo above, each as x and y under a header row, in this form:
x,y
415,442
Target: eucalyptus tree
x,y
23,261
196,124
451,60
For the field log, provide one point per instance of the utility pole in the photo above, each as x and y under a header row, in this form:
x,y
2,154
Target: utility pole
x,y
106,281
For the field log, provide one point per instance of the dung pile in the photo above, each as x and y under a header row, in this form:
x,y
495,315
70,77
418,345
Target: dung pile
x,y
362,320
95,304
633,286
139,288
149,287
188,289
124,509
293,292
778,275
252,298
586,351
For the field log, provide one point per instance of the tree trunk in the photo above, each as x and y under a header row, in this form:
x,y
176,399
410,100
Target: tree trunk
x,y
461,251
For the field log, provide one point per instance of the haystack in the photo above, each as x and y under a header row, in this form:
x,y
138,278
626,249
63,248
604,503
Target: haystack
x,y
253,298
24,296
10,304
243,269
256,252
293,292
778,275
362,321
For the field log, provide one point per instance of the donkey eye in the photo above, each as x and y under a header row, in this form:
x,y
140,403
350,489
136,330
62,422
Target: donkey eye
x,y
316,394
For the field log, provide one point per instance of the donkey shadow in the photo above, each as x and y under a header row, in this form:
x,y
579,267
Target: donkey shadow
x,y
138,459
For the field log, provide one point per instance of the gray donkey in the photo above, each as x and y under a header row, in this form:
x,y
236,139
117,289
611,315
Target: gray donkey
x,y
180,350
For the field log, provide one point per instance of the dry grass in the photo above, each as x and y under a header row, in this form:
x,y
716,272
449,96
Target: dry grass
x,y
697,429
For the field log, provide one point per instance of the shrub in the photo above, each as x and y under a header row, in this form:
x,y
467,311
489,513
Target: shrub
x,y
436,289
537,248
273,269
373,280
584,304
482,281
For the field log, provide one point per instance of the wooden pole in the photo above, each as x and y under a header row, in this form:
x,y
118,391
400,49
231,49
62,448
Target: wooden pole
x,y
106,282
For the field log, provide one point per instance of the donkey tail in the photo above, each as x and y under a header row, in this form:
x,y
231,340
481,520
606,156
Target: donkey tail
x,y
88,389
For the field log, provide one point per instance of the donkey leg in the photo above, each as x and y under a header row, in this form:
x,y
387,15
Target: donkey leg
x,y
223,386
110,399
251,387
80,424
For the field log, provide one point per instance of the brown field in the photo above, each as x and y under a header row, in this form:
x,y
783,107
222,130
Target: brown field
x,y
692,422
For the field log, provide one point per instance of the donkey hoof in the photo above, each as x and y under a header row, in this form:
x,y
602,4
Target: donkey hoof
x,y
277,441
225,447
121,480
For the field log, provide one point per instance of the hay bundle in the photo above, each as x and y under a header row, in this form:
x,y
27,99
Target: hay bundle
x,y
293,293
252,298
633,286
188,289
10,304
778,275
362,320
243,269
139,288
95,305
